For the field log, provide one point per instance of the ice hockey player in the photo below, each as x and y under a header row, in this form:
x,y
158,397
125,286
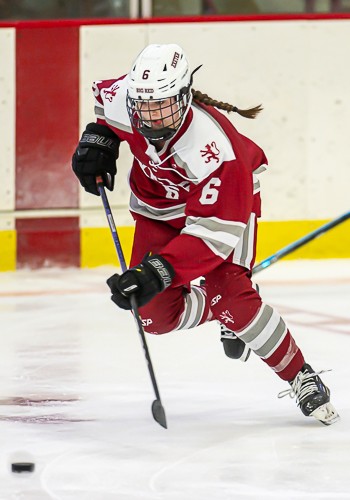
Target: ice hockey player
x,y
195,199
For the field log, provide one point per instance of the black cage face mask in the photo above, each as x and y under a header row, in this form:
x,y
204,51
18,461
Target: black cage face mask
x,y
158,119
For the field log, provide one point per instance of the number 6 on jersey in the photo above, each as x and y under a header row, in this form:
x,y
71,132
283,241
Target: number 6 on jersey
x,y
210,192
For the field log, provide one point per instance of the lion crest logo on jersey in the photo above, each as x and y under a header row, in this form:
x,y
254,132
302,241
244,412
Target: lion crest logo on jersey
x,y
111,92
226,317
210,152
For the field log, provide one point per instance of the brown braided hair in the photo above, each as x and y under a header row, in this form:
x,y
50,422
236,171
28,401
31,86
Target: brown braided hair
x,y
205,99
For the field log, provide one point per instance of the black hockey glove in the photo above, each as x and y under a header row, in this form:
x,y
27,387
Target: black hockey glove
x,y
145,280
96,154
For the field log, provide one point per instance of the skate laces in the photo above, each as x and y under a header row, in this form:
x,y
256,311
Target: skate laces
x,y
302,386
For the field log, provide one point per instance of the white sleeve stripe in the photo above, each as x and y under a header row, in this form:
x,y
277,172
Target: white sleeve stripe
x,y
250,240
260,169
139,207
226,238
121,126
99,111
213,222
221,251
244,250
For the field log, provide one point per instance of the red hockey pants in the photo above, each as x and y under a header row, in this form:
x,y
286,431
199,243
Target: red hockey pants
x,y
228,296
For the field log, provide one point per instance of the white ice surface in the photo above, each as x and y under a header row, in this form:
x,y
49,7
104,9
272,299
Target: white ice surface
x,y
75,395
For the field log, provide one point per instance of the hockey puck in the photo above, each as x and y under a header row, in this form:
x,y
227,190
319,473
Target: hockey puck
x,y
19,467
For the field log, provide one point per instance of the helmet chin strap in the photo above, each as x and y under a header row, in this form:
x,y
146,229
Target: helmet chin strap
x,y
185,90
195,71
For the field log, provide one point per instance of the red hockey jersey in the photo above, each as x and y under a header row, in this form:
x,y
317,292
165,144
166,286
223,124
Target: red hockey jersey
x,y
203,182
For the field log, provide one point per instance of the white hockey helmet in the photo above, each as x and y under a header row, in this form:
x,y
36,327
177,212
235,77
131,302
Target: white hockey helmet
x,y
159,72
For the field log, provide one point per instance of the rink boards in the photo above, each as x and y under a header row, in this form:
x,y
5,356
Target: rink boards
x,y
294,67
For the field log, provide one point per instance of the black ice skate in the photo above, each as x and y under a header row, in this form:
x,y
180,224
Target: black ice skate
x,y
234,347
312,396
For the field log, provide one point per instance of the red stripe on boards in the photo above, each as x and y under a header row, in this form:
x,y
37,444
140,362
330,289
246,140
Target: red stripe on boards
x,y
48,242
47,116
214,18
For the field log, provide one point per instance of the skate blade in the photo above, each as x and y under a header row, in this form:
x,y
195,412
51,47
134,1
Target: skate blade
x,y
326,414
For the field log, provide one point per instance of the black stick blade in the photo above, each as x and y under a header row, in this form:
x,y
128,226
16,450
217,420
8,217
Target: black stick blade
x,y
159,413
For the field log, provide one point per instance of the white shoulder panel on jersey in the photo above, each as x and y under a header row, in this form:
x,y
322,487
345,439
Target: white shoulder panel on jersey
x,y
114,106
203,147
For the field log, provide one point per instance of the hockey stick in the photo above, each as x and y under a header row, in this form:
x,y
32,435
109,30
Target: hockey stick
x,y
299,243
157,407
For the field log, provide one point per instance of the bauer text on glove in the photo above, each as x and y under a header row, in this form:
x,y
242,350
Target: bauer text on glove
x,y
144,281
96,154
